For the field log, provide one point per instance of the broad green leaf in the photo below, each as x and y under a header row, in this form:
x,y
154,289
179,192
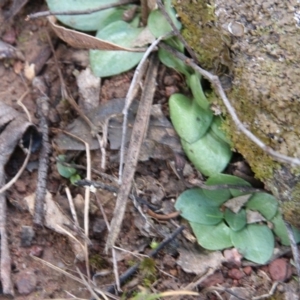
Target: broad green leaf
x,y
64,171
209,156
84,22
189,120
172,62
255,242
280,230
264,203
109,63
174,42
216,126
158,24
74,178
223,195
195,207
235,221
215,237
195,85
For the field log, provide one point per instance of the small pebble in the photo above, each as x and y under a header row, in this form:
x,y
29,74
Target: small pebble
x,y
27,234
236,274
26,282
280,270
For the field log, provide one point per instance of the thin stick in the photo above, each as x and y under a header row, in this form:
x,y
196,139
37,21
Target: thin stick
x,y
16,177
139,72
65,94
153,253
115,264
86,199
89,287
40,193
218,87
176,31
72,207
294,246
138,134
5,262
19,173
113,189
80,167
77,12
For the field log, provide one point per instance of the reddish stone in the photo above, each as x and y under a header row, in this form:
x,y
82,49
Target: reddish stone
x,y
247,270
235,274
280,270
214,279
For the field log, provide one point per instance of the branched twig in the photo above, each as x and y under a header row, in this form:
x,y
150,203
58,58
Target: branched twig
x,y
138,134
77,12
134,86
176,31
242,188
240,126
113,189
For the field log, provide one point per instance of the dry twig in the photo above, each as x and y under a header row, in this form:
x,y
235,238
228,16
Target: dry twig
x,y
43,108
137,137
153,253
132,91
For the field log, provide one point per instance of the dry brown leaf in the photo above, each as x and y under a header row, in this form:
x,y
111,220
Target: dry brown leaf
x,y
235,204
254,217
81,40
161,138
193,261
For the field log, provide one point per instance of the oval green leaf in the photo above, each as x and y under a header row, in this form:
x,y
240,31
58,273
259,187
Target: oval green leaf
x,y
189,120
264,203
195,85
172,62
209,156
255,242
280,230
84,22
158,24
195,207
109,63
216,126
215,237
64,171
225,194
235,221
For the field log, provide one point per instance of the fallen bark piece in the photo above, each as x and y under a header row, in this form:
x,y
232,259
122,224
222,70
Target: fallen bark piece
x,y
15,129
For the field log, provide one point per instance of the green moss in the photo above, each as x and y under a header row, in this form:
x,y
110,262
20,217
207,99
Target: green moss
x,y
207,41
96,262
148,271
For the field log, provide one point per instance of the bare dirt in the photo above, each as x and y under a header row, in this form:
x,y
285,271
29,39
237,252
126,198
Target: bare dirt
x,y
155,181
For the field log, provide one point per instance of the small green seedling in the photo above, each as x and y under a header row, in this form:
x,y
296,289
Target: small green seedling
x,y
67,172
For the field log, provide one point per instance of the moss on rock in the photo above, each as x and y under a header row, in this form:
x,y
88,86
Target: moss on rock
x,y
265,67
